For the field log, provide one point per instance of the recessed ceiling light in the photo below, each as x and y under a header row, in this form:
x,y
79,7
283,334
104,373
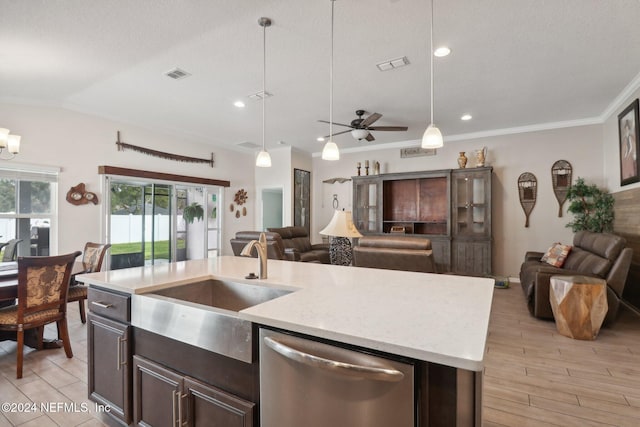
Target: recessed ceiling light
x,y
466,117
239,104
442,51
319,139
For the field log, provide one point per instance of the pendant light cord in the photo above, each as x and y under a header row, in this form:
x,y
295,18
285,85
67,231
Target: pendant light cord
x,y
331,79
431,61
264,78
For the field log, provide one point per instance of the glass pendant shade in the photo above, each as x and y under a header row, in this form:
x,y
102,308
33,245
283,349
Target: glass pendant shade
x,y
13,144
263,160
432,137
330,151
4,133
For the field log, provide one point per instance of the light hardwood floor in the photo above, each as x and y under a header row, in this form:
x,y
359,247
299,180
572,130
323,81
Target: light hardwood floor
x,y
536,377
533,375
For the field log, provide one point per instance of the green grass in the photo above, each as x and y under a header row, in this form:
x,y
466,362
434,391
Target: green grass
x,y
161,248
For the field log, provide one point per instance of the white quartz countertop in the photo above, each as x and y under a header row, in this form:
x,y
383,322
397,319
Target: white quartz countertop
x,y
431,317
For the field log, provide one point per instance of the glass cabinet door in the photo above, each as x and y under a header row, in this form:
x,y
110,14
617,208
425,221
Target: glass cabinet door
x,y
366,204
471,207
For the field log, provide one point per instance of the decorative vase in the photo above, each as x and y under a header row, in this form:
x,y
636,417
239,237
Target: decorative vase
x,y
462,160
481,156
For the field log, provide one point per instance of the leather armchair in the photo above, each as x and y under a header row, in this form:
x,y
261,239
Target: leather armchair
x,y
405,253
275,246
298,245
600,255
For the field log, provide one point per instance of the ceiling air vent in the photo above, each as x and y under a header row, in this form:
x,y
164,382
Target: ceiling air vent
x,y
177,74
259,95
393,64
248,144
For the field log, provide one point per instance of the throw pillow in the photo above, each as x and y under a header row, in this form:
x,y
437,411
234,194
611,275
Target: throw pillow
x,y
556,254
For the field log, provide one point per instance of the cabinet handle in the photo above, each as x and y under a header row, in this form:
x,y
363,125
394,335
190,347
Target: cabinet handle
x,y
101,304
173,408
119,359
180,397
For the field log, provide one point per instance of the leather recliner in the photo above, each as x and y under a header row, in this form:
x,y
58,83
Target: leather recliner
x,y
600,255
275,247
297,243
407,253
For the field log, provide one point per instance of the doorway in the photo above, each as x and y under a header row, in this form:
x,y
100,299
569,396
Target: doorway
x,y
272,208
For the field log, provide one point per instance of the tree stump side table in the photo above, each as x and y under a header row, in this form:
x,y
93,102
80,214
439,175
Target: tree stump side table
x,y
579,305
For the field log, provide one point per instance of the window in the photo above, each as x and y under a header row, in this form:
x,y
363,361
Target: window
x,y
28,208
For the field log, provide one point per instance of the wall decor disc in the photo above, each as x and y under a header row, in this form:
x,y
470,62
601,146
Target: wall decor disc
x,y
561,173
528,192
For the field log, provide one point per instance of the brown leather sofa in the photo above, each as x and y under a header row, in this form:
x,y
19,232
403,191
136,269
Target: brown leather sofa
x,y
405,253
599,255
275,246
298,245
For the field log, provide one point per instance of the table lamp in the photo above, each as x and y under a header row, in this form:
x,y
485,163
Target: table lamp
x,y
341,228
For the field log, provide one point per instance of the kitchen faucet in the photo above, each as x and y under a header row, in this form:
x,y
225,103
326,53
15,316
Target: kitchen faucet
x,y
261,246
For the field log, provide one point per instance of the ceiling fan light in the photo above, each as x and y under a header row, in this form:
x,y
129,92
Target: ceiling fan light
x,y
330,151
359,133
432,137
263,160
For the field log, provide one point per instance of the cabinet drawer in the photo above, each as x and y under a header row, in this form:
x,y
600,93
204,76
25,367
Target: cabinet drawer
x,y
109,304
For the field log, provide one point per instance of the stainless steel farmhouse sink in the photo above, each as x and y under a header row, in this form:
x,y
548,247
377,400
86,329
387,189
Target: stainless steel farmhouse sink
x,y
203,314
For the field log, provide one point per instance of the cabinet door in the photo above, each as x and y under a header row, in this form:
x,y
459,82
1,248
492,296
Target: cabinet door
x,y
366,205
212,407
109,365
471,257
471,203
156,394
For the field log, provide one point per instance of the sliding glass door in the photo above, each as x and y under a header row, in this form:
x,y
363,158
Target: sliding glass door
x,y
157,222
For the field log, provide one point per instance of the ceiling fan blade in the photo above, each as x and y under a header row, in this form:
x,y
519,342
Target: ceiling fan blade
x,y
396,128
370,137
337,133
372,118
339,124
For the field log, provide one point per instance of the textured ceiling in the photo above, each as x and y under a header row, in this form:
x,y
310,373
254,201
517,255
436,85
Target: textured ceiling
x,y
513,63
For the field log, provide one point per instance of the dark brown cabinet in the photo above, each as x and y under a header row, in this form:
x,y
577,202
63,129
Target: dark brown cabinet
x,y
163,397
109,352
450,207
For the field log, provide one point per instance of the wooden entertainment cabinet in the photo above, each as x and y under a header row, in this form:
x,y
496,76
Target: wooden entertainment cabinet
x,y
452,207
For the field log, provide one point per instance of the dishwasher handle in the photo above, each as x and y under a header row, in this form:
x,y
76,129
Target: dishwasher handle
x,y
343,368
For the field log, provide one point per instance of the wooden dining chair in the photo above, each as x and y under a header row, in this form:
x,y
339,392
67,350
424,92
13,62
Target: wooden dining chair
x,y
10,249
92,259
42,298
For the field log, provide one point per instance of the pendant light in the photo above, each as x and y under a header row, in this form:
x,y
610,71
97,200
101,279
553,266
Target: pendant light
x,y
432,137
330,150
264,159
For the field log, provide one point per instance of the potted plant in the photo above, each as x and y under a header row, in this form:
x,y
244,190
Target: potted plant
x,y
592,208
192,212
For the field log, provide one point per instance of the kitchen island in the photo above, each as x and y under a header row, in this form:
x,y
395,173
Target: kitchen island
x,y
438,321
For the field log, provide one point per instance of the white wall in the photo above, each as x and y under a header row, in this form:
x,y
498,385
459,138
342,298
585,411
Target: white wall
x,y
79,143
510,155
277,176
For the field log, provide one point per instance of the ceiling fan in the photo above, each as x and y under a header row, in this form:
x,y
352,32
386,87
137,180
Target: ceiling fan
x,y
360,127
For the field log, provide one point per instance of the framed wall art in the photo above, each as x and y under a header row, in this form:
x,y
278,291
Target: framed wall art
x,y
628,122
302,199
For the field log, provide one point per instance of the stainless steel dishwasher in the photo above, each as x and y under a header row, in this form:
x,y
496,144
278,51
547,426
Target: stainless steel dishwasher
x,y
313,384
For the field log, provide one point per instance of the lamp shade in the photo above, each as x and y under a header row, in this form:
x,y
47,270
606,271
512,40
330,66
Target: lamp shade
x,y
263,160
432,137
13,144
4,133
341,225
330,151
